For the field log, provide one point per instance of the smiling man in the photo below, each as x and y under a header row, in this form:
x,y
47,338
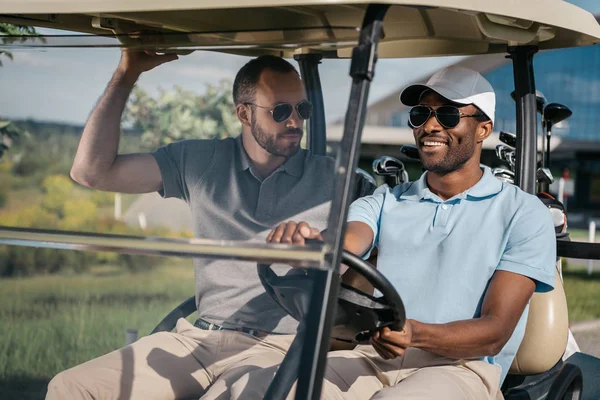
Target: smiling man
x,y
464,250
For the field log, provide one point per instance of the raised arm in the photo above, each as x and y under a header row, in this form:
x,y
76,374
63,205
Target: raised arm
x,y
97,163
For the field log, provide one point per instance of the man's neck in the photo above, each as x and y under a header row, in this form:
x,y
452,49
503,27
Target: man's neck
x,y
446,186
264,163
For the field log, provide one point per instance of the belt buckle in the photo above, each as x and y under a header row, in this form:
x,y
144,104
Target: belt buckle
x,y
207,326
254,332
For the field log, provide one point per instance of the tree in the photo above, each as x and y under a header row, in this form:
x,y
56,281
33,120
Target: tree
x,y
14,33
182,114
9,34
8,133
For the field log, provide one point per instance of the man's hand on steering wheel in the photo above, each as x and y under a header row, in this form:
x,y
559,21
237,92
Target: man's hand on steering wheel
x,y
390,344
293,233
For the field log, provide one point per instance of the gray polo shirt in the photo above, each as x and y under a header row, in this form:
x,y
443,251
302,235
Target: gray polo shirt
x,y
228,201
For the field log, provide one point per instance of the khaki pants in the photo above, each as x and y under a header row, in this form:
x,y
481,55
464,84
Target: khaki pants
x,y
191,363
362,374
194,363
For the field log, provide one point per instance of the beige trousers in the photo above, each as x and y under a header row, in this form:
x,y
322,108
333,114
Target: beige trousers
x,y
362,374
198,364
189,364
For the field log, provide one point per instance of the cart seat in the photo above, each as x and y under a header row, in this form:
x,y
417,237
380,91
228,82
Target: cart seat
x,y
538,371
546,332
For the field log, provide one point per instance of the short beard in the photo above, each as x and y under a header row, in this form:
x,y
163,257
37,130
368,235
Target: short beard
x,y
454,160
268,141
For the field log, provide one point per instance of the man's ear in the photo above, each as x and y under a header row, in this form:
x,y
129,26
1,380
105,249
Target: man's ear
x,y
484,130
244,114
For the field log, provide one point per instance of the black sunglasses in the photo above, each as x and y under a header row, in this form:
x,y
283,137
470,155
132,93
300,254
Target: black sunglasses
x,y
281,112
448,116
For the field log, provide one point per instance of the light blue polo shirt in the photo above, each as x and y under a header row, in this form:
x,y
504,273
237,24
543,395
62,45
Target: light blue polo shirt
x,y
440,255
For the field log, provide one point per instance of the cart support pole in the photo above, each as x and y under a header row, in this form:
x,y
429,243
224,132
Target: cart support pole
x,y
526,163
325,291
309,70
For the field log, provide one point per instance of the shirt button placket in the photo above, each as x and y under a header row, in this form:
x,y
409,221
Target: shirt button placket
x,y
264,207
260,204
442,213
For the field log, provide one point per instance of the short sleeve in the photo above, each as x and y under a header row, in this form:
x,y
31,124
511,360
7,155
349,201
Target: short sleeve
x,y
531,247
368,210
182,164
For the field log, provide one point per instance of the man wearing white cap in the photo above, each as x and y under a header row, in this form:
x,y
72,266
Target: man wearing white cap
x,y
454,244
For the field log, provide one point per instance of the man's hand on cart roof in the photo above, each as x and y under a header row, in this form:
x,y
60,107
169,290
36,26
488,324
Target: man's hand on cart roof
x,y
134,62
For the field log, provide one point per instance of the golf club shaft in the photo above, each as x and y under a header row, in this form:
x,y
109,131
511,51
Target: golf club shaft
x,y
546,163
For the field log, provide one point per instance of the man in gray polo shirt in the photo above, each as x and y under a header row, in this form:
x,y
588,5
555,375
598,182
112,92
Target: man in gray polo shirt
x,y
237,189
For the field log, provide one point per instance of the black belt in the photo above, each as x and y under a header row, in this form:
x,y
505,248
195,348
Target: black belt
x,y
209,326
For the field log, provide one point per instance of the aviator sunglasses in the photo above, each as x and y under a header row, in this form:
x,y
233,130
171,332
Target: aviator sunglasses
x,y
448,116
281,112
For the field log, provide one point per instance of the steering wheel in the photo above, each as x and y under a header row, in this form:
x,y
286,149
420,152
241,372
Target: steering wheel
x,y
358,314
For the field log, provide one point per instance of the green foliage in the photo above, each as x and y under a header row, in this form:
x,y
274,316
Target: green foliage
x,y
78,213
8,134
34,177
66,207
10,33
182,114
57,190
4,189
35,156
31,217
27,261
49,148
103,199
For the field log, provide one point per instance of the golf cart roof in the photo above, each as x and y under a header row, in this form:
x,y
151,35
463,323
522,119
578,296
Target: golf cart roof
x,y
413,28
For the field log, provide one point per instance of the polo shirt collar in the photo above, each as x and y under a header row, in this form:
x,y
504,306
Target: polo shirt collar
x,y
487,186
294,166
242,160
416,190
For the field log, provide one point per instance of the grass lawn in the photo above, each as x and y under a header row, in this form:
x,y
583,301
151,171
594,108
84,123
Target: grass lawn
x,y
50,323
582,235
583,292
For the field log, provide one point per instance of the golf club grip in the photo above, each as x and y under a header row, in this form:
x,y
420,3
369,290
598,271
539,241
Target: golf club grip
x,y
410,151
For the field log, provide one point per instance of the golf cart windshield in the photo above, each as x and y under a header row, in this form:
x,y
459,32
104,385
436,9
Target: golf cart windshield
x,y
308,31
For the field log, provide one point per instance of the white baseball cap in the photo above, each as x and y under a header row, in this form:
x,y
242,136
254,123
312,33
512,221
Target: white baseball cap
x,y
457,84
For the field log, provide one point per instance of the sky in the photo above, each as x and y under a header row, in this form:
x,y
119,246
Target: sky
x,y
63,85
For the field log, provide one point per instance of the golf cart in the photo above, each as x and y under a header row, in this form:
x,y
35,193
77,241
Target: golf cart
x,y
311,31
